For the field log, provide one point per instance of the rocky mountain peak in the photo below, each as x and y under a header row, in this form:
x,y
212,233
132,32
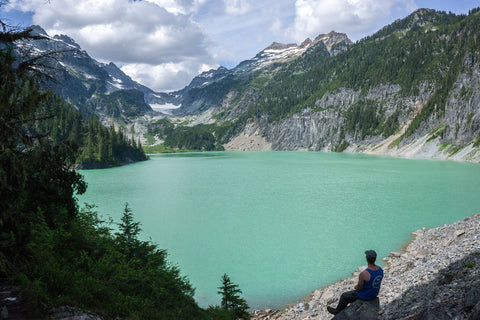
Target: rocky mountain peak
x,y
306,43
38,31
422,17
331,39
67,40
280,46
81,79
209,76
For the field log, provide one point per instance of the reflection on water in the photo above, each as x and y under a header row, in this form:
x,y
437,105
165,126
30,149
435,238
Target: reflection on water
x,y
219,154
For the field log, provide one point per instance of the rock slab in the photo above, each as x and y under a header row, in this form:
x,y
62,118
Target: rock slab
x,y
360,310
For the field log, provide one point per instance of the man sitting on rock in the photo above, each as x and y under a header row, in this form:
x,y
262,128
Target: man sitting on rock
x,y
367,287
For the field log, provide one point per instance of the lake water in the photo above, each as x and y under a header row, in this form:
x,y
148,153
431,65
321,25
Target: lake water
x,y
281,224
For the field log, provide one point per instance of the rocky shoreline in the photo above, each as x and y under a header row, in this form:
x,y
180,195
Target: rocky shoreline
x,y
437,276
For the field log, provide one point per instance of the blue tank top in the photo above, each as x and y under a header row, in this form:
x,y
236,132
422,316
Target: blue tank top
x,y
371,287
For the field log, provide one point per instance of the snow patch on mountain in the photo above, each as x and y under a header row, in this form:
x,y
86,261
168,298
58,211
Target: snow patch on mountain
x,y
164,108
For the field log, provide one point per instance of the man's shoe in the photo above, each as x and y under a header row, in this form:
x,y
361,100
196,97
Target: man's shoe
x,y
331,310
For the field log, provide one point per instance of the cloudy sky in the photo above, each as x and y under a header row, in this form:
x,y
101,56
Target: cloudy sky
x,y
165,43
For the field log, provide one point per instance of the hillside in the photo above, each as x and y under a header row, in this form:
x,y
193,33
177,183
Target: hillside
x,y
66,114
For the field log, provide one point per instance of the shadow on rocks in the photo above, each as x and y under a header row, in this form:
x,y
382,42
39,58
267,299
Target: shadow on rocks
x,y
453,294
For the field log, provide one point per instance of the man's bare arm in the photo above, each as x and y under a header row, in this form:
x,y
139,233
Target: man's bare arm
x,y
362,278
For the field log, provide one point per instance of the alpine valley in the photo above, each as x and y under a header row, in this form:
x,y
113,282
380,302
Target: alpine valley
x,y
412,90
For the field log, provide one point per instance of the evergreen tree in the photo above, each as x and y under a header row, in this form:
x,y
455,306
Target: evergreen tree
x,y
129,228
231,300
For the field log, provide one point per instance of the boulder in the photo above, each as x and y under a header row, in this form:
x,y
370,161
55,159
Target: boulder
x,y
360,310
419,232
458,233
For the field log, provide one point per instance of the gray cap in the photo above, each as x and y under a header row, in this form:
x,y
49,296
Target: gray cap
x,y
371,254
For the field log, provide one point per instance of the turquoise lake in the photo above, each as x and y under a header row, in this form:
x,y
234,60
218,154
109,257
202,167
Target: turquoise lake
x,y
281,224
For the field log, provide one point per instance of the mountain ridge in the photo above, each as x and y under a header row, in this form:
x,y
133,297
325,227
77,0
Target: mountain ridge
x,y
410,89
272,57
82,80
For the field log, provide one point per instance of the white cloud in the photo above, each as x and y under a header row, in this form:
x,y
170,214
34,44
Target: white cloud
x,y
179,6
174,75
276,26
355,17
155,33
237,7
174,6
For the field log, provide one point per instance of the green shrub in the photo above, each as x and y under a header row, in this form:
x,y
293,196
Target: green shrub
x,y
396,142
342,146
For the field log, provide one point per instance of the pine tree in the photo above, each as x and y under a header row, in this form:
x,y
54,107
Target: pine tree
x,y
129,228
231,300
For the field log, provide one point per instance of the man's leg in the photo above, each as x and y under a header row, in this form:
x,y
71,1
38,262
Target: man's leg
x,y
345,299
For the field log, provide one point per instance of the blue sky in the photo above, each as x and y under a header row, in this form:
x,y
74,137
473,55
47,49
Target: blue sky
x,y
165,43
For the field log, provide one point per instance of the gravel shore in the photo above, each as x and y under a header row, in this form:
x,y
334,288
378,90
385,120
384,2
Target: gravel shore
x,y
435,277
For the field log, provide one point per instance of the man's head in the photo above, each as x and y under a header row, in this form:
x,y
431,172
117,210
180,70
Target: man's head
x,y
371,256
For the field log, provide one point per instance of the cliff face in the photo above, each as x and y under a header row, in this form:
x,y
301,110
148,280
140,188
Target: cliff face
x,y
462,110
320,128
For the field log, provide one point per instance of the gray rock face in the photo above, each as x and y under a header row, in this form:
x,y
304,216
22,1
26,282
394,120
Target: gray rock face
x,y
462,111
306,130
360,310
320,127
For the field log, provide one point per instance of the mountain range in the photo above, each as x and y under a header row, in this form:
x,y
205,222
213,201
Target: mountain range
x,y
80,78
411,89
